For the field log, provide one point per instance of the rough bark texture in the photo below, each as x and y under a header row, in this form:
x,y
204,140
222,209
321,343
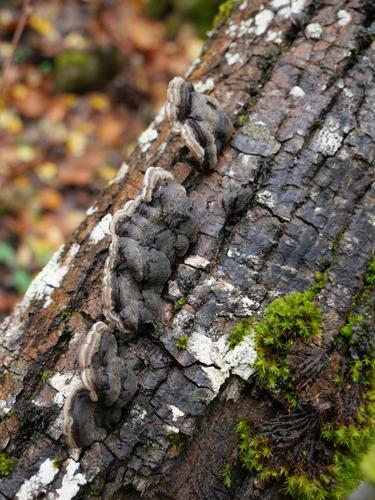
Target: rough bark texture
x,y
292,195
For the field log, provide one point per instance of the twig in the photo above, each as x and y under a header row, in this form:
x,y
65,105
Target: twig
x,y
26,10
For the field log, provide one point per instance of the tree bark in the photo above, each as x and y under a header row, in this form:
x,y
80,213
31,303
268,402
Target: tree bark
x,y
292,195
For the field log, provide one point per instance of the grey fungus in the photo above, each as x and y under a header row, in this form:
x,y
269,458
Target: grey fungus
x,y
198,119
108,384
148,234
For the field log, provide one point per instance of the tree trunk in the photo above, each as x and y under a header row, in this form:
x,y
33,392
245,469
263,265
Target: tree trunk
x,y
291,195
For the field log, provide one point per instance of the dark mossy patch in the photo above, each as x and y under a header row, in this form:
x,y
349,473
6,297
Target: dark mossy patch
x,y
226,475
225,10
285,320
313,449
6,465
179,303
241,330
182,342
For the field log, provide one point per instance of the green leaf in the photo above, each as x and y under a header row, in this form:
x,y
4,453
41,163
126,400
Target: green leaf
x,y
22,279
7,253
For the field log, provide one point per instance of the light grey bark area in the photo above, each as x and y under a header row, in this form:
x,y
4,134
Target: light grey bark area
x,y
292,195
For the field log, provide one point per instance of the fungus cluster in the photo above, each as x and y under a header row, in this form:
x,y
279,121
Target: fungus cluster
x,y
149,234
197,117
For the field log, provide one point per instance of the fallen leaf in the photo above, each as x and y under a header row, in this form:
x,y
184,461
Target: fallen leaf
x,y
99,102
76,143
32,104
10,122
111,130
47,172
50,199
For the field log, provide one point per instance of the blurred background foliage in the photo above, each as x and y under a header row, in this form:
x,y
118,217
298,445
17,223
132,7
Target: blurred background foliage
x,y
87,77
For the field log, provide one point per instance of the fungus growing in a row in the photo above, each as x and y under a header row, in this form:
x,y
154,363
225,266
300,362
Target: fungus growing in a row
x,y
108,385
197,117
148,235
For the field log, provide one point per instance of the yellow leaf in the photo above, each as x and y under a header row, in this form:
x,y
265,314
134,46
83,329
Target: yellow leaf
x,y
47,171
10,122
26,153
20,91
75,40
98,101
21,181
70,100
43,27
76,143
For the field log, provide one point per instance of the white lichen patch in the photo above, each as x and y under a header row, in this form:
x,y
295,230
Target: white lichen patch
x,y
91,210
293,7
215,376
262,21
172,429
233,58
50,277
138,413
7,404
274,36
314,31
297,92
277,4
122,172
101,230
244,28
197,262
329,138
35,487
216,354
145,139
65,384
204,86
266,198
176,412
71,481
344,17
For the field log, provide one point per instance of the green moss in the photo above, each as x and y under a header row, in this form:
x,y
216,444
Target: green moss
x,y
6,465
45,375
179,303
368,465
55,463
285,320
66,313
182,342
225,10
369,278
179,440
226,475
239,332
345,435
242,119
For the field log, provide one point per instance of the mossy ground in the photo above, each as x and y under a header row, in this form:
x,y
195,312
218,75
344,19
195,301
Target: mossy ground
x,y
324,461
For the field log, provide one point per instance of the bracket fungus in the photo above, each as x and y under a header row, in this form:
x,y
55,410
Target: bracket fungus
x,y
147,239
149,234
198,119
